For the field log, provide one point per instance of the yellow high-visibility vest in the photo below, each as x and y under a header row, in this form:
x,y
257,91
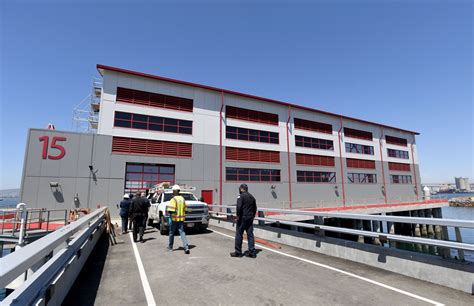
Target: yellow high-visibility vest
x,y
178,206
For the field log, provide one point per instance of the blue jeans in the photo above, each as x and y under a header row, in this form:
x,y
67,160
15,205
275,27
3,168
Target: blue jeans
x,y
124,224
180,226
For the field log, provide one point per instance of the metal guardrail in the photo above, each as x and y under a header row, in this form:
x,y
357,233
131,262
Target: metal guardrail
x,y
35,219
61,247
374,234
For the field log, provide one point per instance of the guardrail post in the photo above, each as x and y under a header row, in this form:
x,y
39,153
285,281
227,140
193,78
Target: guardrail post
x,y
376,228
459,239
261,214
229,217
319,221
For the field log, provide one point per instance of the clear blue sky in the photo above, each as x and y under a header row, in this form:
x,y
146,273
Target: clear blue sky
x,y
402,63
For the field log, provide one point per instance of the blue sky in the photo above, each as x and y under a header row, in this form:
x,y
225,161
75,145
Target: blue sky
x,y
402,63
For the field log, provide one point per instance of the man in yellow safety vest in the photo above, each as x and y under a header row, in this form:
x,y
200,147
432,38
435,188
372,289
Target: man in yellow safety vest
x,y
177,214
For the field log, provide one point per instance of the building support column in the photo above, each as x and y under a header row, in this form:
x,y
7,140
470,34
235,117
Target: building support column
x,y
341,164
220,150
384,186
289,155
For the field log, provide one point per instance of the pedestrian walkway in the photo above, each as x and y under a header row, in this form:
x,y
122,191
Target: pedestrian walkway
x,y
210,276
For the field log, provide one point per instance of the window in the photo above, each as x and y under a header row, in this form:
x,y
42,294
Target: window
x,y
396,141
315,177
136,146
241,154
399,167
251,115
313,126
398,153
140,177
153,99
360,149
362,178
400,179
353,133
315,143
314,160
252,175
251,135
360,163
151,123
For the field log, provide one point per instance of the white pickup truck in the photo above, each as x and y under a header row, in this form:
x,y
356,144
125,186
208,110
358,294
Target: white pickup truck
x,y
197,215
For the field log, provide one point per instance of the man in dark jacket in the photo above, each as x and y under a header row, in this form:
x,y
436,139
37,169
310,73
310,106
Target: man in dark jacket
x,y
138,210
246,210
124,208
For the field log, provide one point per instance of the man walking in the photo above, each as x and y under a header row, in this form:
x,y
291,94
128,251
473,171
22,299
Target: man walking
x,y
147,205
138,210
246,210
177,212
124,208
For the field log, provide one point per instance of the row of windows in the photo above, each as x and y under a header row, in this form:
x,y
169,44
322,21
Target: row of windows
x,y
137,146
251,135
358,148
152,123
253,175
315,143
315,177
397,153
400,179
140,177
252,155
153,99
353,133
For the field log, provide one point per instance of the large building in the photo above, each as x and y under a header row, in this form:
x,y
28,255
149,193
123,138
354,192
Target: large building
x,y
153,129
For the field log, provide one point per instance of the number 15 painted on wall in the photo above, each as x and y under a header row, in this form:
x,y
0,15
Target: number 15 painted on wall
x,y
54,145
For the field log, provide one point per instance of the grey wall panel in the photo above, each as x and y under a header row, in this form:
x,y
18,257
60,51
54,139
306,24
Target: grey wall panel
x,y
84,155
29,193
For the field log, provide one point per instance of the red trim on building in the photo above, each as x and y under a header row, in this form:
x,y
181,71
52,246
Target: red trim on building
x,y
340,162
288,155
358,134
250,115
146,98
383,168
414,168
220,149
313,126
145,75
396,141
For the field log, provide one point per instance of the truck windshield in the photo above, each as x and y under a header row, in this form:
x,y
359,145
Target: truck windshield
x,y
186,196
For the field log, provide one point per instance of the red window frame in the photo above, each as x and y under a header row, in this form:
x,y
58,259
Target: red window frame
x,y
303,176
400,179
396,141
152,123
398,154
399,167
135,146
360,163
314,143
251,115
359,148
359,134
362,178
315,160
238,133
314,126
134,96
252,155
143,173
234,174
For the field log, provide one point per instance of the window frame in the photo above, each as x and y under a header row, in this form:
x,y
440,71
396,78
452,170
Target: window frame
x,y
245,134
314,143
244,174
181,126
307,176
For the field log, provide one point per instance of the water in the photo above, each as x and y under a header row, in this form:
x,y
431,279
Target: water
x,y
9,202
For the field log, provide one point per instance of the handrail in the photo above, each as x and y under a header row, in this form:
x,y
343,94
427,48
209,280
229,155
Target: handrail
x,y
24,258
394,219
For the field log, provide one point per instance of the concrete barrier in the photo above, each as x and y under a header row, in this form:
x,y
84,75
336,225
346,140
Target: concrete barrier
x,y
449,273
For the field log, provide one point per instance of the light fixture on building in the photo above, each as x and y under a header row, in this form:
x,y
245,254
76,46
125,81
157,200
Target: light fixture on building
x,y
273,187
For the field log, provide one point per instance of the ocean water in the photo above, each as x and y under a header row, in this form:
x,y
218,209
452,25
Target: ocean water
x,y
8,202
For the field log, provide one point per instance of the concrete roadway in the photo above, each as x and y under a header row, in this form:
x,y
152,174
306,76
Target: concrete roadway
x,y
286,276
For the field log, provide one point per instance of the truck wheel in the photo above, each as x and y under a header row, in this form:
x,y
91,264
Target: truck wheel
x,y
163,229
203,228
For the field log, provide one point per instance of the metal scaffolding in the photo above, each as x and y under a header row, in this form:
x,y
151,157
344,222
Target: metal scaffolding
x,y
85,116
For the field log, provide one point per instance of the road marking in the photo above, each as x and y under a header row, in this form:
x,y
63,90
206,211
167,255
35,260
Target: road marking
x,y
146,285
344,272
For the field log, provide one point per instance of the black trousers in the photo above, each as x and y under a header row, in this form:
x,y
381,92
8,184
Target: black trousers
x,y
244,224
138,227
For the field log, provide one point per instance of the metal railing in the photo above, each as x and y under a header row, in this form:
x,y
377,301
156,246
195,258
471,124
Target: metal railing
x,y
320,228
55,253
35,219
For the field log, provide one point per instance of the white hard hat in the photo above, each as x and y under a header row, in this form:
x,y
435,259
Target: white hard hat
x,y
176,187
126,196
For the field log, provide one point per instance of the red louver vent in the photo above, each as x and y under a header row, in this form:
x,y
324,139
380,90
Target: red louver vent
x,y
153,99
314,160
251,115
353,133
360,163
252,155
151,147
396,141
313,126
399,167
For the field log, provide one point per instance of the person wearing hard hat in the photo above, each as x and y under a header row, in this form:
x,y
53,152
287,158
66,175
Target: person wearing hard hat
x,y
124,208
177,211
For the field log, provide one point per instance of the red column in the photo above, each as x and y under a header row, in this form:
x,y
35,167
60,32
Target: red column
x,y
340,162
383,171
289,156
